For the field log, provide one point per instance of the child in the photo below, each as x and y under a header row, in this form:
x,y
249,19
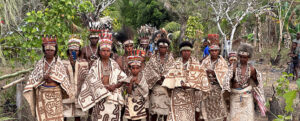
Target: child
x,y
294,57
137,91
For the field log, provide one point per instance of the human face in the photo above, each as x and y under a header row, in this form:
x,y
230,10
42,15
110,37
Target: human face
x,y
186,54
294,45
94,40
135,69
214,53
231,61
71,55
243,59
163,49
105,53
49,53
128,48
205,44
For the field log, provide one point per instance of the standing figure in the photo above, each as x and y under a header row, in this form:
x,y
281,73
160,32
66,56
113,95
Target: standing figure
x,y
101,91
47,85
137,91
125,36
294,61
245,84
155,69
185,76
145,33
206,44
77,69
90,52
213,107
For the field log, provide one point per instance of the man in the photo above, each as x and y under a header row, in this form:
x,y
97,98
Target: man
x,y
101,90
232,58
155,69
206,47
213,108
137,91
184,77
77,70
90,52
245,84
145,32
125,36
46,84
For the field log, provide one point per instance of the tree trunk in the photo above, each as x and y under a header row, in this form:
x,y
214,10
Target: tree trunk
x,y
260,40
231,37
254,32
182,31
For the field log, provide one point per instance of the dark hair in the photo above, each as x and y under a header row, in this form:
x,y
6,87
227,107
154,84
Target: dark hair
x,y
185,43
56,49
162,40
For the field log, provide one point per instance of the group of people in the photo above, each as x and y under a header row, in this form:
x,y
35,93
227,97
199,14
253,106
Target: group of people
x,y
141,84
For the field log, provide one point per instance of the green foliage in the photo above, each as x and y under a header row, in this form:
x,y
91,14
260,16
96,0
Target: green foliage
x,y
289,97
137,13
57,19
283,118
194,27
172,27
283,84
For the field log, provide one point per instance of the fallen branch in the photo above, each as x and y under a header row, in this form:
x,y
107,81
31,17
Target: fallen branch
x,y
12,83
15,74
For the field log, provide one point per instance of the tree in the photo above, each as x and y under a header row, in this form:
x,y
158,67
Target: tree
x,y
139,12
233,11
183,8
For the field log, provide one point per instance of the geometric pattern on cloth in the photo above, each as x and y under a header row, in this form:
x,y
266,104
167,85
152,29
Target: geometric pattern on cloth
x,y
92,90
35,79
136,101
213,107
104,111
194,76
182,105
154,69
49,104
221,70
71,107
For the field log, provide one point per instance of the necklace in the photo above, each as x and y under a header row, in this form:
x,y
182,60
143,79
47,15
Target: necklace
x,y
161,65
105,70
94,56
242,79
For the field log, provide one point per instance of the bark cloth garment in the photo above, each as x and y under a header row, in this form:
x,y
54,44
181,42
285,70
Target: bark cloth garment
x,y
193,75
106,105
71,107
154,69
213,106
46,102
136,101
242,99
